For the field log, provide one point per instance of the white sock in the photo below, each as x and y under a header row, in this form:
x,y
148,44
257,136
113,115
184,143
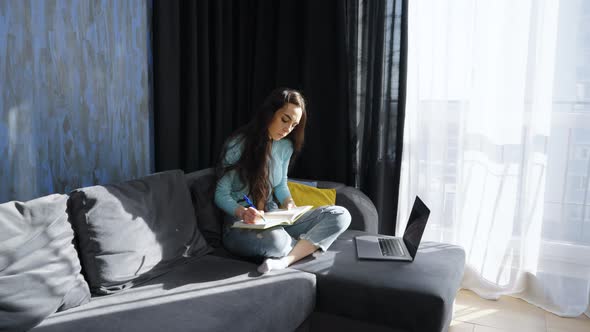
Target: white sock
x,y
273,264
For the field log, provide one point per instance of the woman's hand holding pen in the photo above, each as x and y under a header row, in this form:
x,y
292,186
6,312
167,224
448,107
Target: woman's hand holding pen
x,y
250,214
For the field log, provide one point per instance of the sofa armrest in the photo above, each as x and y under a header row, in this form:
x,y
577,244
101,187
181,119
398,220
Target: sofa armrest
x,y
361,208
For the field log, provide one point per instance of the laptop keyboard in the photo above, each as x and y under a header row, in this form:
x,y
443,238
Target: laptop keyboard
x,y
390,247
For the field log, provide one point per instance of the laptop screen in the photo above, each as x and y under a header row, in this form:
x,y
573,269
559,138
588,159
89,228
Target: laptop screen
x,y
416,226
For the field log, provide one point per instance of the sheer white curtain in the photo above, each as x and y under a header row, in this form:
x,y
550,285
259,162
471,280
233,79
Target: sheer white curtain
x,y
497,143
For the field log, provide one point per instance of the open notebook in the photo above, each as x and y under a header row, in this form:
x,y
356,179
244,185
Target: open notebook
x,y
275,218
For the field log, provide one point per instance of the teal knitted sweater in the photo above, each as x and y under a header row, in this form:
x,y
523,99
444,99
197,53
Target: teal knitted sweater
x,y
230,190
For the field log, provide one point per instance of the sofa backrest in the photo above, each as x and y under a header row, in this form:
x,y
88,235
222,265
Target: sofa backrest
x,y
133,231
209,217
109,237
201,185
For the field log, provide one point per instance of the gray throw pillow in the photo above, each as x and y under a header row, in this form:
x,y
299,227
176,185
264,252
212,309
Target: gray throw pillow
x,y
39,267
131,232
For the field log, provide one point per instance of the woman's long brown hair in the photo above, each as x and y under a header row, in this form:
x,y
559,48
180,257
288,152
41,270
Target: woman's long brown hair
x,y
252,167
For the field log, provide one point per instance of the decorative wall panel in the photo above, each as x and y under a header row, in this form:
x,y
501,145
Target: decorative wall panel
x,y
74,95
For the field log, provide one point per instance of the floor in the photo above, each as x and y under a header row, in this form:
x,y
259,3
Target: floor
x,y
508,314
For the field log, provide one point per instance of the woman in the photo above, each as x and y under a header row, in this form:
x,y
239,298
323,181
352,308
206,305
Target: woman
x,y
254,163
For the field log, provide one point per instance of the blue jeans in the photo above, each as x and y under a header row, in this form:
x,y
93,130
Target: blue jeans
x,y
320,226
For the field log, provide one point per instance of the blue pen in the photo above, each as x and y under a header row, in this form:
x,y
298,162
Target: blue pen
x,y
252,205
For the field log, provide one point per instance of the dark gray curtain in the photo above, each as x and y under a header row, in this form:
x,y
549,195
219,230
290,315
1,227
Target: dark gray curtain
x,y
377,97
215,60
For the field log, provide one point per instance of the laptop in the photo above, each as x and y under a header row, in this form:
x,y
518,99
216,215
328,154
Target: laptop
x,y
394,248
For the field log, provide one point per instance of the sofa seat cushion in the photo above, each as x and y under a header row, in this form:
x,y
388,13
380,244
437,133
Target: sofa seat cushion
x,y
411,296
205,294
39,267
130,232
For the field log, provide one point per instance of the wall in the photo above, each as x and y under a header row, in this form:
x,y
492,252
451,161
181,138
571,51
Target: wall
x,y
74,95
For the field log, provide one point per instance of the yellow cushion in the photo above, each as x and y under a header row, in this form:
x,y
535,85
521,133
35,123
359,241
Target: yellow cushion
x,y
307,195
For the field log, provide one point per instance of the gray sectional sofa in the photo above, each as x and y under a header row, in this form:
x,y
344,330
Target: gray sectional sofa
x,y
146,255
